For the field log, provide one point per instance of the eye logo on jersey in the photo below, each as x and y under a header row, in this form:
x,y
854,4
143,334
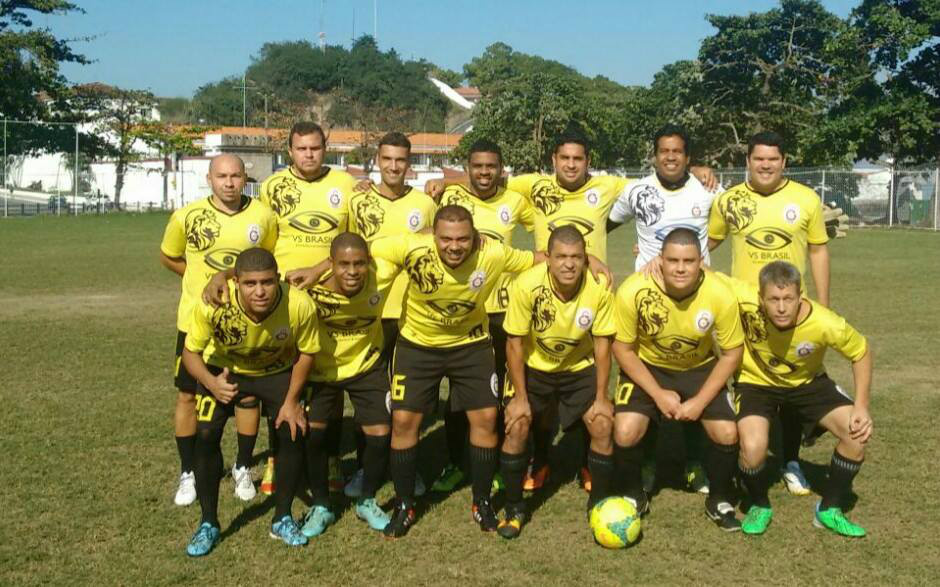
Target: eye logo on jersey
x,y
221,259
228,326
349,323
491,234
452,308
584,318
543,309
415,220
369,215
676,344
335,198
460,199
652,313
556,345
592,197
805,349
768,238
773,364
648,204
585,227
791,213
314,222
424,270
202,229
703,321
755,327
546,198
505,216
285,195
477,279
740,210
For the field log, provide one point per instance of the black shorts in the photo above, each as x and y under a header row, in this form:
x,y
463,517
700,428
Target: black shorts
x,y
499,356
368,391
812,401
270,389
629,397
417,372
573,390
181,377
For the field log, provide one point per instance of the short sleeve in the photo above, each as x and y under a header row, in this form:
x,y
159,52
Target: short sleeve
x,y
604,321
305,326
525,214
623,208
392,250
728,330
516,259
625,315
518,321
848,341
200,329
174,237
269,238
523,184
816,231
717,227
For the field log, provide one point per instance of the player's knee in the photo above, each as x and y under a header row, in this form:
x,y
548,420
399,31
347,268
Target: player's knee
x,y
726,433
600,429
405,424
626,435
519,433
209,437
186,401
753,449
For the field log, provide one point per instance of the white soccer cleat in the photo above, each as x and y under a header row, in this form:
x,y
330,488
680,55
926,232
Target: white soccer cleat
x,y
795,480
353,489
244,485
186,492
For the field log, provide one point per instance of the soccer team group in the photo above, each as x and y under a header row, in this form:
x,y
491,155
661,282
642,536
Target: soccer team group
x,y
325,286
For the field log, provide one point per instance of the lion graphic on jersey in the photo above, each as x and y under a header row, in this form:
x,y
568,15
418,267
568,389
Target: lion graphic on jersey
x,y
369,215
652,314
424,270
648,204
755,326
228,327
285,195
543,310
461,199
546,198
202,229
740,209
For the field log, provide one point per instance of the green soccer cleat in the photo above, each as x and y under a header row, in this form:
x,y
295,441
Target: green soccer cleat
x,y
368,510
833,519
317,520
498,484
204,540
287,531
756,521
448,480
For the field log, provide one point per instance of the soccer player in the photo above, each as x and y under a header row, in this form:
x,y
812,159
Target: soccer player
x,y
559,325
771,218
201,239
260,345
665,349
786,340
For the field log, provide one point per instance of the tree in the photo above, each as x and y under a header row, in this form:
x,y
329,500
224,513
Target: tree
x,y
220,103
170,141
372,121
499,63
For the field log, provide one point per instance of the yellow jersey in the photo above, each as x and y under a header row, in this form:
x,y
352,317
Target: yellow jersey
x,y
209,239
677,334
777,227
558,335
444,307
586,208
792,357
227,337
309,214
495,218
372,216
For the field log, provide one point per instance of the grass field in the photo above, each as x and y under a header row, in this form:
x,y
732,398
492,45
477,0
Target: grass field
x,y
89,462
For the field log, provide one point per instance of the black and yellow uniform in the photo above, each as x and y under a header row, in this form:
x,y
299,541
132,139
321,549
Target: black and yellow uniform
x,y
586,208
444,326
209,239
310,213
674,339
775,227
558,348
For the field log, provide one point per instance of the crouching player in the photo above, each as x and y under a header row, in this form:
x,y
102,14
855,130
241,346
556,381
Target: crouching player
x,y
559,324
786,340
665,349
260,344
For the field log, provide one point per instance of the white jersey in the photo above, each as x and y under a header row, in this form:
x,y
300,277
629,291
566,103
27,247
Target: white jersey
x,y
658,211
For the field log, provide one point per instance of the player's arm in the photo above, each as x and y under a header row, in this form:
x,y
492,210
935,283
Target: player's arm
x,y
175,264
290,411
860,422
621,211
717,226
307,277
602,405
666,400
173,245
599,269
727,363
216,291
819,266
518,407
706,176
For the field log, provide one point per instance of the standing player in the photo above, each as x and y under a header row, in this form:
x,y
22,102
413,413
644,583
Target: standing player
x,y
259,345
786,338
665,350
559,325
771,218
201,239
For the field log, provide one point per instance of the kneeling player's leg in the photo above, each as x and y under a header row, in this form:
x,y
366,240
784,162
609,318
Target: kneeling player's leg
x,y
404,454
246,424
721,456
375,457
184,424
846,460
629,429
483,450
754,437
513,460
288,464
600,458
208,461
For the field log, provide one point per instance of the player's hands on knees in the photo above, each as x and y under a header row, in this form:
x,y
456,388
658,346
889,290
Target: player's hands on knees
x,y
598,268
216,291
602,406
434,188
517,409
222,389
668,403
293,415
303,278
689,410
654,269
860,425
364,185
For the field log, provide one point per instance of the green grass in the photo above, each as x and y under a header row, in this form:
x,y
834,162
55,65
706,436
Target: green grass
x,y
89,464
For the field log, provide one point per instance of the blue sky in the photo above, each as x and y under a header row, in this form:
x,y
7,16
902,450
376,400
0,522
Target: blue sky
x,y
171,47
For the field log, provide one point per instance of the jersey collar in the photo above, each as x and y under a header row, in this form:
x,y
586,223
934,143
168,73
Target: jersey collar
x,y
783,184
242,205
673,185
375,190
315,179
698,286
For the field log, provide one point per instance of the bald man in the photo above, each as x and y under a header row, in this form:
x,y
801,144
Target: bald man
x,y
200,240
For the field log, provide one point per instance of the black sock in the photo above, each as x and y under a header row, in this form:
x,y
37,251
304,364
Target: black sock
x,y
208,469
513,469
404,467
288,469
334,436
317,466
755,479
694,436
360,446
374,463
542,437
186,447
791,432
602,469
842,470
720,461
628,462
585,442
272,437
483,463
456,431
246,448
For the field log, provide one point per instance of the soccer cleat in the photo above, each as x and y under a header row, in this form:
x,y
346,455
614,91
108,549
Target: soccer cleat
x,y
514,518
267,481
722,513
498,484
337,483
353,489
244,485
833,519
204,540
484,515
186,492
695,478
420,488
448,480
586,479
317,520
756,520
402,519
287,531
534,480
368,510
640,504
795,480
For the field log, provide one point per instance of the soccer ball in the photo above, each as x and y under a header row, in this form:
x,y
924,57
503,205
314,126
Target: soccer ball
x,y
615,523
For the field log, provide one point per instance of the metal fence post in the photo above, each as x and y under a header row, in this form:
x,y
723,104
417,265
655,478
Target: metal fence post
x,y
76,176
936,198
891,198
